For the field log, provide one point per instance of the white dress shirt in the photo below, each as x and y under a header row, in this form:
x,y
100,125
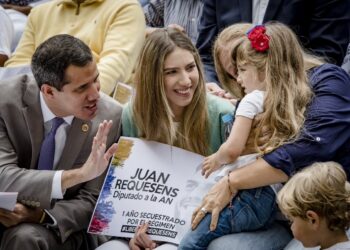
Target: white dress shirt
x,y
259,10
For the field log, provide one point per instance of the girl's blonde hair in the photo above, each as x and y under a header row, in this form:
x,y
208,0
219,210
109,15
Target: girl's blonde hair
x,y
224,44
152,113
227,42
287,90
322,188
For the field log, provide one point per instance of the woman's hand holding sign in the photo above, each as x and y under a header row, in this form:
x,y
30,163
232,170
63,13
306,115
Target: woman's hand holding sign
x,y
141,239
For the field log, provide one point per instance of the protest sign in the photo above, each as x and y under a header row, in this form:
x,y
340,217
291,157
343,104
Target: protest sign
x,y
151,182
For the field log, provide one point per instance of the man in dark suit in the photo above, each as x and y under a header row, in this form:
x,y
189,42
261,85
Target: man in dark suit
x,y
54,205
322,26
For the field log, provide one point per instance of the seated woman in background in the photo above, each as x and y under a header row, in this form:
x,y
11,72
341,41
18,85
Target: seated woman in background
x,y
226,71
171,106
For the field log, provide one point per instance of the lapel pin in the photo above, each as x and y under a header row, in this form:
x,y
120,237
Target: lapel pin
x,y
85,127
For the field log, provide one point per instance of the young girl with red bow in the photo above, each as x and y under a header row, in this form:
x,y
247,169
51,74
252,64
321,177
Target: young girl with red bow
x,y
269,67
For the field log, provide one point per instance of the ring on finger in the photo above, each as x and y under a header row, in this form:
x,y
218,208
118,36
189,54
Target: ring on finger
x,y
204,210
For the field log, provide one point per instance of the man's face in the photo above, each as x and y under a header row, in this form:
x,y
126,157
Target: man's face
x,y
195,189
80,96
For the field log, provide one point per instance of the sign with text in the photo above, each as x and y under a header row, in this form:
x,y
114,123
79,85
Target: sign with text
x,y
152,182
149,182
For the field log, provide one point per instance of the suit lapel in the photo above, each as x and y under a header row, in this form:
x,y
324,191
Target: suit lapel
x,y
34,119
245,8
271,10
75,141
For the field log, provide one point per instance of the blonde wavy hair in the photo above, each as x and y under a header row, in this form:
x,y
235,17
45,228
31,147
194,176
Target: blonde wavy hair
x,y
152,113
288,93
227,41
322,188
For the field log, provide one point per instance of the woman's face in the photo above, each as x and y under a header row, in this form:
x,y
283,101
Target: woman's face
x,y
181,79
225,60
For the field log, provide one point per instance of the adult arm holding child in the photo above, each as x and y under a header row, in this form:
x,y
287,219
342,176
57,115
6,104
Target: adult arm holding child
x,y
256,174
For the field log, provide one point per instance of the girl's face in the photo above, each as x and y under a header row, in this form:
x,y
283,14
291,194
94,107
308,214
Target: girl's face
x,y
249,78
181,79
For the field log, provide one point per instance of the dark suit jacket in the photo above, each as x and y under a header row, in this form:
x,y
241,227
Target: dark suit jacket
x,y
322,26
21,134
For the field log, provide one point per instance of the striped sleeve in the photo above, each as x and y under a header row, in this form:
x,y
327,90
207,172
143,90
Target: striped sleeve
x,y
154,13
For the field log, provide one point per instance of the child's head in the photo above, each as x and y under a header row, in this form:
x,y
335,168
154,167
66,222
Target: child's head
x,y
170,88
274,51
225,67
317,196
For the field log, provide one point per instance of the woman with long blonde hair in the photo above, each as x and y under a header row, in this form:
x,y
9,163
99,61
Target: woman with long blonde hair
x,y
154,114
171,106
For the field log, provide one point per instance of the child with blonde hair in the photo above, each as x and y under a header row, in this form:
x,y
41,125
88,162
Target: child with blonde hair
x,y
316,200
280,95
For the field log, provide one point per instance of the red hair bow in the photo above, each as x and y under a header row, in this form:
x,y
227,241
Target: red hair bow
x,y
258,38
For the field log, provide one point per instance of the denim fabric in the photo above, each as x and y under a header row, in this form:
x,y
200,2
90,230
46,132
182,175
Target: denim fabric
x,y
276,237
251,210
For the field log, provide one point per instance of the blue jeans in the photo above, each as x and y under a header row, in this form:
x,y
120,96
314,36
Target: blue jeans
x,y
276,237
251,210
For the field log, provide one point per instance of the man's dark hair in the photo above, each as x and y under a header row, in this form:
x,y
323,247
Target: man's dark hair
x,y
55,55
